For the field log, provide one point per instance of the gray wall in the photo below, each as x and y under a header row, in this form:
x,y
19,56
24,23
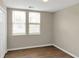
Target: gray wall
x,y
3,29
66,29
1,3
31,40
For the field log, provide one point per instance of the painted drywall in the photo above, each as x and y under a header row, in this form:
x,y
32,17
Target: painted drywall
x,y
30,40
1,3
3,30
66,29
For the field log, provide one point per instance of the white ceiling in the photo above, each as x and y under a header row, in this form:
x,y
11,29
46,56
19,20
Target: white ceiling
x,y
39,5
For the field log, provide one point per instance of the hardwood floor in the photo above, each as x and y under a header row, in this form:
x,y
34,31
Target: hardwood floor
x,y
42,52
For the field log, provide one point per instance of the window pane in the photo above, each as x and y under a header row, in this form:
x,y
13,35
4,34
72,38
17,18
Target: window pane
x,y
34,17
19,29
34,29
19,17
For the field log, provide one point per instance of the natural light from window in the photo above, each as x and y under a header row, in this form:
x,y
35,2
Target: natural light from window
x,y
19,23
34,23
22,25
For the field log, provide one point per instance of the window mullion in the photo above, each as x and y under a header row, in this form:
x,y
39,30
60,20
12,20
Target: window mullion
x,y
35,23
27,23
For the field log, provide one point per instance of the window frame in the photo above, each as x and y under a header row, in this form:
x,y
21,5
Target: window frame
x,y
13,23
35,24
27,23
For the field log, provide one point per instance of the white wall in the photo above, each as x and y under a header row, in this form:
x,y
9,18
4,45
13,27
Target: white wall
x,y
3,30
66,29
30,40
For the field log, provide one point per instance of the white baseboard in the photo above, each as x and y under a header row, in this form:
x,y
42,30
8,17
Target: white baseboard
x,y
4,54
44,46
29,47
65,51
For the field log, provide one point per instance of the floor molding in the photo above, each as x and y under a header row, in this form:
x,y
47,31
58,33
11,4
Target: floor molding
x,y
65,51
44,46
3,55
29,47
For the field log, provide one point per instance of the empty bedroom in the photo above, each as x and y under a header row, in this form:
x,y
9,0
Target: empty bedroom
x,y
39,28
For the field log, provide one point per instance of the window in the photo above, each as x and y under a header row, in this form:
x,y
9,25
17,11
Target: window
x,y
22,24
18,23
34,23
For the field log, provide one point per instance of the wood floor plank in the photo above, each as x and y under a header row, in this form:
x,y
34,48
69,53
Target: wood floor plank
x,y
42,52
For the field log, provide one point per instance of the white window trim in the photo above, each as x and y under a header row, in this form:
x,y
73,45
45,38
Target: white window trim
x,y
17,34
27,25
